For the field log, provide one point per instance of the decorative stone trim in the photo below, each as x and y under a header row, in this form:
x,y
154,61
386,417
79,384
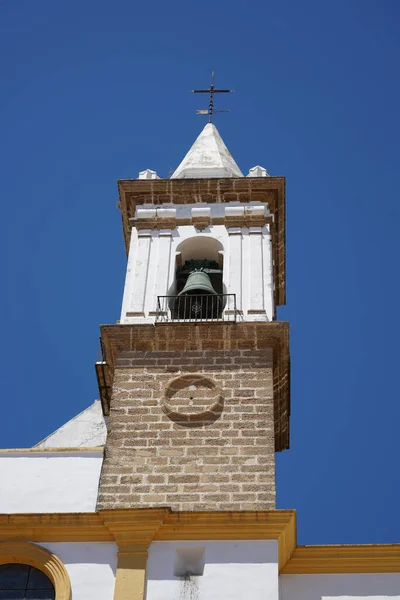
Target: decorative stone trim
x,y
193,419
134,529
36,556
155,223
243,220
201,217
373,558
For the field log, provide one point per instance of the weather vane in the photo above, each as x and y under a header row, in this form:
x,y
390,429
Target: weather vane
x,y
211,90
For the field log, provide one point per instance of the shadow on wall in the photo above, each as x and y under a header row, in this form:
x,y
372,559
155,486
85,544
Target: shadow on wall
x,y
329,587
79,553
174,560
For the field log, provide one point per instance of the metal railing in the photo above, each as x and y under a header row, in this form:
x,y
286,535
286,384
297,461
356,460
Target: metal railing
x,y
196,308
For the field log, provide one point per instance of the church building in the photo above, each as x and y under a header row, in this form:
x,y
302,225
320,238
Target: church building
x,y
164,488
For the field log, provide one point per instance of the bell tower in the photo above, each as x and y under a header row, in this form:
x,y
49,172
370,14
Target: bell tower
x,y
194,378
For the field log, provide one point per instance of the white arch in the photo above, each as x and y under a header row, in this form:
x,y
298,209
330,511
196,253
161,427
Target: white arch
x,y
200,247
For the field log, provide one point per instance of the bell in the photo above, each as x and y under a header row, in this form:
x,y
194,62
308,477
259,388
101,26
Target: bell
x,y
198,300
198,283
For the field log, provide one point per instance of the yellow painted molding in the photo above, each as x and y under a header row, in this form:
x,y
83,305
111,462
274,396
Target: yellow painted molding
x,y
42,559
374,558
133,530
34,450
130,578
55,527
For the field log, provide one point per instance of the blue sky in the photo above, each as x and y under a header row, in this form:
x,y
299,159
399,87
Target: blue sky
x,y
95,91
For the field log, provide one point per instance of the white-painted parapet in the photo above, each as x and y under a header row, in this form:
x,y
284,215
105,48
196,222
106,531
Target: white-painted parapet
x,y
213,570
49,481
88,429
171,234
91,567
341,586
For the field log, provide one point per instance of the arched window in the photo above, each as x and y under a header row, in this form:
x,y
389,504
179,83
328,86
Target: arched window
x,y
23,582
199,252
199,292
28,571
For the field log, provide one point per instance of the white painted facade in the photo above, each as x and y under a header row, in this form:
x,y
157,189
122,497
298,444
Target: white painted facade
x,y
86,430
244,252
343,586
49,482
226,569
231,569
91,567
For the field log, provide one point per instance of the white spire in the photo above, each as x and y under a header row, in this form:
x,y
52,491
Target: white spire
x,y
208,157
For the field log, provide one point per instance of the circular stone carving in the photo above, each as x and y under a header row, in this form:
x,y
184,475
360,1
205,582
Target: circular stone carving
x,y
193,400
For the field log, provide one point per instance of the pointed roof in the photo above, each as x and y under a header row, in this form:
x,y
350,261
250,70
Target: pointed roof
x,y
208,157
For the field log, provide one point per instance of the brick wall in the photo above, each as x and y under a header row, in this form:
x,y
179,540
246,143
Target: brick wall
x,y
191,430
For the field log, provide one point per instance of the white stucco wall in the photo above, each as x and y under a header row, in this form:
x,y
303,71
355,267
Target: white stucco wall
x,y
41,482
247,258
88,429
236,570
91,568
366,586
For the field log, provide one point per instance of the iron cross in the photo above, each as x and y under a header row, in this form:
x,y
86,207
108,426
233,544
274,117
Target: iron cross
x,y
211,90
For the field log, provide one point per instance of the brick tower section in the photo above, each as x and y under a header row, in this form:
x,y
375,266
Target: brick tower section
x,y
196,415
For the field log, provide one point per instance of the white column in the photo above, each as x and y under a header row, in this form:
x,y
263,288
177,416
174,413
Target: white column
x,y
268,274
233,280
126,301
256,272
152,272
163,267
139,280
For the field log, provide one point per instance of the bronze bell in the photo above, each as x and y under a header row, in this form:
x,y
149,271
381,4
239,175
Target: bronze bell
x,y
198,283
198,300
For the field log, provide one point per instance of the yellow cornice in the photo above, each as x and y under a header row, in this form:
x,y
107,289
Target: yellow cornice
x,y
376,558
137,528
57,527
134,529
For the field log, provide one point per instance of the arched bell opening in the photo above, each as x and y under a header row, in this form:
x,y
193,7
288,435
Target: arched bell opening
x,y
198,280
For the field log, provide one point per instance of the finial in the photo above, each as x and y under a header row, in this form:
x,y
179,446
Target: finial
x,y
211,90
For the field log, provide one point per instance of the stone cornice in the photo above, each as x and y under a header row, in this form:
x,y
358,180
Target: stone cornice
x,y
134,529
201,223
134,192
